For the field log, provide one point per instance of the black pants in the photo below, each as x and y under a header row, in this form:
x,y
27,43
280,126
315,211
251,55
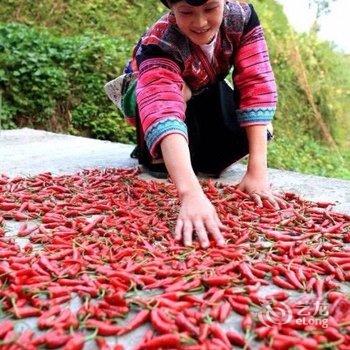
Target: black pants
x,y
215,138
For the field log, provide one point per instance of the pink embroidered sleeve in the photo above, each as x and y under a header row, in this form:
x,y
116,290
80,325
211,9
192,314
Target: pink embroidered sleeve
x,y
160,101
253,76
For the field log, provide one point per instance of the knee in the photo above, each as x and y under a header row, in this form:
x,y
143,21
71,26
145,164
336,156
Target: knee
x,y
269,131
186,92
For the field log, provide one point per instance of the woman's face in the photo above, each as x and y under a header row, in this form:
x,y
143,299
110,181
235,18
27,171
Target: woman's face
x,y
199,23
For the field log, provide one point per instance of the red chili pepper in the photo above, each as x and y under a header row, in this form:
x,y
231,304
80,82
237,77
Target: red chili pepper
x,y
169,317
242,194
256,299
75,343
318,287
55,339
246,271
58,291
346,266
60,255
236,338
294,279
332,296
203,331
148,336
214,312
137,321
26,311
220,334
247,322
263,331
263,266
46,264
163,341
102,344
59,300
184,324
5,327
241,299
216,296
7,253
253,288
25,340
333,334
103,328
241,309
118,347
92,291
279,296
10,337
159,325
225,310
280,282
176,286
45,320
87,229
286,342
217,343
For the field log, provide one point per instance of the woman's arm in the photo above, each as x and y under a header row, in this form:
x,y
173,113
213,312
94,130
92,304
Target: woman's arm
x,y
255,182
196,212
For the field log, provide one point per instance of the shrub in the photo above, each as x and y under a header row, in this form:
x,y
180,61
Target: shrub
x,y
56,83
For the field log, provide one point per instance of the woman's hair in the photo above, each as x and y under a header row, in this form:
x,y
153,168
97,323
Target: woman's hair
x,y
168,3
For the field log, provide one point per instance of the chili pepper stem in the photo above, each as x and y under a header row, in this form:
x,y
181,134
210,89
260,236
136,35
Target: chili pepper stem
x,y
13,303
92,336
187,340
87,316
331,344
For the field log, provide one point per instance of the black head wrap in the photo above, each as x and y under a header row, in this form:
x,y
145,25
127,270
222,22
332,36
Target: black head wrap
x,y
190,2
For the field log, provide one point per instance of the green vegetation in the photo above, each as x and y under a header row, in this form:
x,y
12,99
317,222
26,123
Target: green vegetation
x,y
56,83
55,57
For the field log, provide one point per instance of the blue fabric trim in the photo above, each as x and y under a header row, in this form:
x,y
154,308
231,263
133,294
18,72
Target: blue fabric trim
x,y
156,131
256,114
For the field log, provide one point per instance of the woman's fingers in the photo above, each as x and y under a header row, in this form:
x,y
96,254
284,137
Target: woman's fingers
x,y
282,203
269,197
220,224
201,234
213,229
256,198
277,202
273,201
187,232
178,229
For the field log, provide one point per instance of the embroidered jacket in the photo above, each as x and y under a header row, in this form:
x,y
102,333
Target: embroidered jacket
x,y
164,59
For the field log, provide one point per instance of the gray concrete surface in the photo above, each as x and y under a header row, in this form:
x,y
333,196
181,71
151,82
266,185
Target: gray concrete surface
x,y
29,152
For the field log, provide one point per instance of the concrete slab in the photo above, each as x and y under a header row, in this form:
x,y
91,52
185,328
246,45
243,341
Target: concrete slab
x,y
29,152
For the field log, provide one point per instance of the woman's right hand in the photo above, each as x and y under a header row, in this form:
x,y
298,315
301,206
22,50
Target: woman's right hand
x,y
198,215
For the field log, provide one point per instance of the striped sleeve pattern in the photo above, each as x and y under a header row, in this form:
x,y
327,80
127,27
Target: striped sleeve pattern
x,y
254,78
160,101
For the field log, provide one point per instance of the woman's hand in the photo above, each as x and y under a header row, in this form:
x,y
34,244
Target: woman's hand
x,y
258,188
255,181
198,215
196,212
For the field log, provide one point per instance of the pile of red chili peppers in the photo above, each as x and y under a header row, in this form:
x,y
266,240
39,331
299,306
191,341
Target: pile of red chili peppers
x,y
104,236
